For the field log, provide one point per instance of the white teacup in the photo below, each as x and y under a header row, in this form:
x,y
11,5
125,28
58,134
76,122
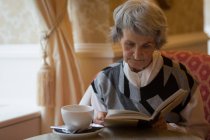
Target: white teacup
x,y
77,117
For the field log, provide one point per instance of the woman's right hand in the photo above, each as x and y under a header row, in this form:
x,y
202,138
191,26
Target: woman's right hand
x,y
100,118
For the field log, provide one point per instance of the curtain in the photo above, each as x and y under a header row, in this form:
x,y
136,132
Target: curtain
x,y
52,17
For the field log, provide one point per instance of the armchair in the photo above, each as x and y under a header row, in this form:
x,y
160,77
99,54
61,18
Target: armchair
x,y
199,66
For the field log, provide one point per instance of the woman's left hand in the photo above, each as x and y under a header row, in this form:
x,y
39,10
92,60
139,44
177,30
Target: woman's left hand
x,y
160,123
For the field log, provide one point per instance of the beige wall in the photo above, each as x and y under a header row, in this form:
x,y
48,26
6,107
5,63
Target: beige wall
x,y
90,19
16,24
185,16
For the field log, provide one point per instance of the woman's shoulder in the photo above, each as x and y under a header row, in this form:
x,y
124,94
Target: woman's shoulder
x,y
173,64
178,69
112,67
109,74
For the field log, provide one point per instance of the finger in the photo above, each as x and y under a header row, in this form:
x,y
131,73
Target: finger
x,y
98,121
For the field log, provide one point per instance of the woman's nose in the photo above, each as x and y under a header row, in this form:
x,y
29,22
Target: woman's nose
x,y
138,53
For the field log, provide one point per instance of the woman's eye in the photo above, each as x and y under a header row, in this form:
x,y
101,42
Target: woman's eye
x,y
129,45
148,46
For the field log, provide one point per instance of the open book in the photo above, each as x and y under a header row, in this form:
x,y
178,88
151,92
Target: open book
x,y
165,107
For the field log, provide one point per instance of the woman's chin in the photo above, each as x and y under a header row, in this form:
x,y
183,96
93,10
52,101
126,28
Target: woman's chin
x,y
135,69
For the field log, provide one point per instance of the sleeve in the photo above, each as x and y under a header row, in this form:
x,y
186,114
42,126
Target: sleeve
x,y
194,117
193,113
90,98
86,99
97,105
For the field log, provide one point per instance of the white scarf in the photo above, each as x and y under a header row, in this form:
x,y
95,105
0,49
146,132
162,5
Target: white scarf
x,y
145,76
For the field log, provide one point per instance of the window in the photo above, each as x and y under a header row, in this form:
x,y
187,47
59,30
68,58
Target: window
x,y
207,20
19,65
19,54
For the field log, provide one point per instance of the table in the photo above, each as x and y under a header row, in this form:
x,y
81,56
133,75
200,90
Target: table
x,y
125,133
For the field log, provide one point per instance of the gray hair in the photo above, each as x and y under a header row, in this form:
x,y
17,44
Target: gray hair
x,y
141,16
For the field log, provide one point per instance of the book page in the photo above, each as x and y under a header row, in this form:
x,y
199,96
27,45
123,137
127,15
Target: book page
x,y
126,114
165,107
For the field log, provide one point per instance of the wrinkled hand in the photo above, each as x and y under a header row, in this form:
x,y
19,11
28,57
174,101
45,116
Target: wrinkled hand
x,y
100,118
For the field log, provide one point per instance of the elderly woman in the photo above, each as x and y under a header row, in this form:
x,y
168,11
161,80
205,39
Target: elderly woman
x,y
144,78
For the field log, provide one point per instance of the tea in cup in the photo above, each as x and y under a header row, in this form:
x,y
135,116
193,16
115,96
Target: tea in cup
x,y
77,117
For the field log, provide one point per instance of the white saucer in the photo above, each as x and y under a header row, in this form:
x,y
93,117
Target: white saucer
x,y
89,132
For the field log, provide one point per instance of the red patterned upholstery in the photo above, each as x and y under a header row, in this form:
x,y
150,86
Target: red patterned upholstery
x,y
199,66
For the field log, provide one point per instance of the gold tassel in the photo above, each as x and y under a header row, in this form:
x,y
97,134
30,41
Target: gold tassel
x,y
46,85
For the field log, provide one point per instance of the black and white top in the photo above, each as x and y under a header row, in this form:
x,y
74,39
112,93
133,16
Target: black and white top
x,y
117,87
114,90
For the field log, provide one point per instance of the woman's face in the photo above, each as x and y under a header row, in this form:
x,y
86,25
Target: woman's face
x,y
137,49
